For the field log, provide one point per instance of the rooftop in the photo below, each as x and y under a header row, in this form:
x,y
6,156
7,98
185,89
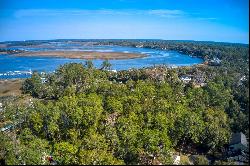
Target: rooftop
x,y
238,138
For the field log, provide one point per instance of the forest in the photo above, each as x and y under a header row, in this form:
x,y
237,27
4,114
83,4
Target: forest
x,y
84,115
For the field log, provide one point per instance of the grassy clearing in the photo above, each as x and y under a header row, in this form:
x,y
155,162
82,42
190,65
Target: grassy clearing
x,y
10,87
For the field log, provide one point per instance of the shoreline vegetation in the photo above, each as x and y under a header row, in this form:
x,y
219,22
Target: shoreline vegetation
x,y
89,55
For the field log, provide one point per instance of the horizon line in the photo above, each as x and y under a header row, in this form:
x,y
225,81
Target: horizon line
x,y
187,40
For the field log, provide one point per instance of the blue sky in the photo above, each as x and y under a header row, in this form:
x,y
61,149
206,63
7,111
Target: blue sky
x,y
206,20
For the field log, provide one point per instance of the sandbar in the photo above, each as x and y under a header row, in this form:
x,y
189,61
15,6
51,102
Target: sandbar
x,y
89,55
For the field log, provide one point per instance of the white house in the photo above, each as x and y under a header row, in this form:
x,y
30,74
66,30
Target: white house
x,y
176,159
43,80
186,79
1,106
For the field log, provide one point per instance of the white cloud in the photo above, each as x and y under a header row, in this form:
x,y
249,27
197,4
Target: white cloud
x,y
166,13
72,12
207,18
163,13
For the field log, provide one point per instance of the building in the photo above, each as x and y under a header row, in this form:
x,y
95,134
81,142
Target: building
x,y
176,160
1,107
186,79
238,142
43,80
215,62
7,128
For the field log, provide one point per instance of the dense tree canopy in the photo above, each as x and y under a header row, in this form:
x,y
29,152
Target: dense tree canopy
x,y
83,115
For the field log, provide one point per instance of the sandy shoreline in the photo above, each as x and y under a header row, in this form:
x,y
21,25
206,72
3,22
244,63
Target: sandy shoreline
x,y
83,54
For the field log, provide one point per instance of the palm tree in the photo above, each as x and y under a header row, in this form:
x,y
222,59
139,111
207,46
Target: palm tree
x,y
89,64
106,65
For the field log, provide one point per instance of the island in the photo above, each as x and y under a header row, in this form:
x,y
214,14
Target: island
x,y
89,55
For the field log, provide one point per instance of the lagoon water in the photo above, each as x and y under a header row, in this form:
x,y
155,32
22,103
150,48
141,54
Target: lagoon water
x,y
19,67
